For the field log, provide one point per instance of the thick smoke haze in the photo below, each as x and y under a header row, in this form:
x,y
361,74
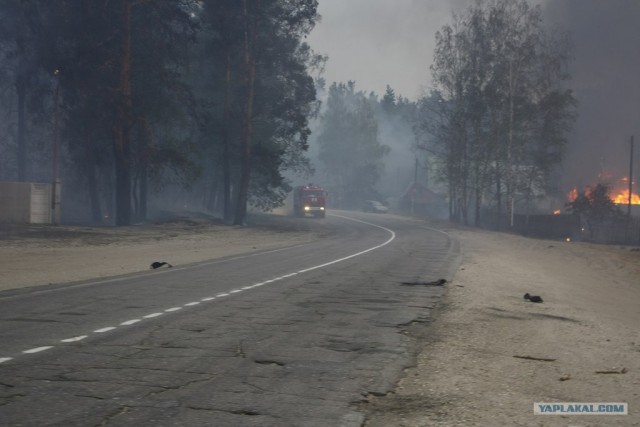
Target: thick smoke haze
x,y
606,78
380,42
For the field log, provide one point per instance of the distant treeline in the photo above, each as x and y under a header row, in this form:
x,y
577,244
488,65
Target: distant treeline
x,y
132,98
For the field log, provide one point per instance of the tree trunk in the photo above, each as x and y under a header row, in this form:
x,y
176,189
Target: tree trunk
x,y
245,143
143,190
226,160
94,197
22,146
123,137
478,195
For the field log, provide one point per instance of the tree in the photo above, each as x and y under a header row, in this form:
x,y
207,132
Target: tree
x,y
501,111
268,91
127,72
349,147
595,206
21,43
223,43
388,102
110,100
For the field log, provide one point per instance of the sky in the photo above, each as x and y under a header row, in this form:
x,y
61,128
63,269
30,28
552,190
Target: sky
x,y
390,42
381,42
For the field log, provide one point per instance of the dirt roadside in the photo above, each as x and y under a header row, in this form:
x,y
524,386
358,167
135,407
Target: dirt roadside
x,y
471,371
490,355
35,255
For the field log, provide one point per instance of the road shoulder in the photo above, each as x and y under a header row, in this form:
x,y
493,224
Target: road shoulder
x,y
489,354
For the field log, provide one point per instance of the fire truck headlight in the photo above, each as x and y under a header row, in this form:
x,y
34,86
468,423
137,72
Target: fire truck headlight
x,y
306,208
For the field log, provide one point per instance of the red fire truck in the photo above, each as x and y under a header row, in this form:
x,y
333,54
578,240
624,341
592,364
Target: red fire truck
x,y
309,199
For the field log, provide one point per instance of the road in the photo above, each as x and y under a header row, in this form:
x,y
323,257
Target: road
x,y
289,337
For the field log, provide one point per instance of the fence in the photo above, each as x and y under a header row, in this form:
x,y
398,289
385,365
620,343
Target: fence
x,y
619,230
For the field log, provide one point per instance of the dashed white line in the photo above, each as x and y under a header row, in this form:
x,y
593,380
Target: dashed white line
x,y
75,339
152,315
107,329
172,309
37,349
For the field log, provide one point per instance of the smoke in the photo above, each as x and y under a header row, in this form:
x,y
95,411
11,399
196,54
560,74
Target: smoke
x,y
380,42
605,71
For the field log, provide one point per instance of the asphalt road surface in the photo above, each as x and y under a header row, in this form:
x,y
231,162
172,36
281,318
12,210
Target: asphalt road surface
x,y
289,337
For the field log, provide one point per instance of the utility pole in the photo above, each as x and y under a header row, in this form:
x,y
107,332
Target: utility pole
x,y
55,190
630,180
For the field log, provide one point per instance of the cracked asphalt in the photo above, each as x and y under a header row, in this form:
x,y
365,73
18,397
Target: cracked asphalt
x,y
285,337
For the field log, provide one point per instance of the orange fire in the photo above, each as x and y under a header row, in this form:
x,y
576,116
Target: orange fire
x,y
557,212
573,194
618,194
622,198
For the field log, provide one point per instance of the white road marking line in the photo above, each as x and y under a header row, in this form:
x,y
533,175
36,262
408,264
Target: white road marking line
x,y
74,339
120,279
152,315
37,349
393,236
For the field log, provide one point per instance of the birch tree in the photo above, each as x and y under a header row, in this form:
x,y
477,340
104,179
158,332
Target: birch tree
x,y
503,109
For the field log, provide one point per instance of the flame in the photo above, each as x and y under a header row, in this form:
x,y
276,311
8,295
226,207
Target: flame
x,y
618,195
622,198
557,212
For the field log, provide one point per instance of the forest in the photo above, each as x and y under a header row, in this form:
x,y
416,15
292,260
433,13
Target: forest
x,y
128,98
221,105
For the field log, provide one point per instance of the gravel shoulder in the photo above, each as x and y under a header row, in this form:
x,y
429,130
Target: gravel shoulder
x,y
489,354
